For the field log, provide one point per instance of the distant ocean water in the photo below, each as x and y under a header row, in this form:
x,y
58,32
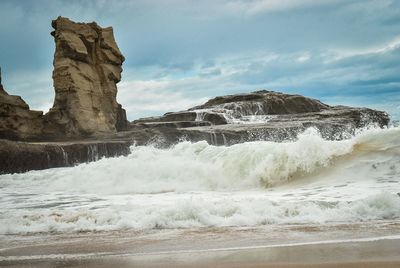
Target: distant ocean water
x,y
192,185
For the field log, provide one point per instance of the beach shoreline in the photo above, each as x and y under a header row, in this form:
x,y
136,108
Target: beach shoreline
x,y
373,244
362,253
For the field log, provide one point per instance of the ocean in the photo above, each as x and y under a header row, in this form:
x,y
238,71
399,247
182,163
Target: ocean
x,y
197,187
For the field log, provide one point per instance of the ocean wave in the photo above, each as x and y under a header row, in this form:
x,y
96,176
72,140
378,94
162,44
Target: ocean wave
x,y
194,212
200,166
310,180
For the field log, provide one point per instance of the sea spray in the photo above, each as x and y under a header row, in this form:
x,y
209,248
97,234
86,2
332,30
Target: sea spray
x,y
310,180
199,211
197,166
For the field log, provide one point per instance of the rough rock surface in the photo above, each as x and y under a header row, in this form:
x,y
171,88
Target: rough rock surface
x,y
87,67
337,122
231,108
264,102
23,156
17,121
260,115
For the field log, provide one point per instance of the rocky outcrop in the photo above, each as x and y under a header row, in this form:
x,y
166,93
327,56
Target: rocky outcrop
x,y
87,67
23,156
241,107
336,123
1,85
263,102
247,107
260,115
17,121
244,122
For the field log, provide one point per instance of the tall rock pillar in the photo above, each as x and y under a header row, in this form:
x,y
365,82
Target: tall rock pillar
x,y
87,67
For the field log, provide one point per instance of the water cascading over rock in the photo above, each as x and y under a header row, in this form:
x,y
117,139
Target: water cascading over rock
x,y
87,67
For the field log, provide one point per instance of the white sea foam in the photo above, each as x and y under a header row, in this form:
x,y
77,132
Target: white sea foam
x,y
205,210
194,166
237,112
199,185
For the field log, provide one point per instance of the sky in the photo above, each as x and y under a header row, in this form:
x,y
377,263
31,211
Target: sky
x,y
181,53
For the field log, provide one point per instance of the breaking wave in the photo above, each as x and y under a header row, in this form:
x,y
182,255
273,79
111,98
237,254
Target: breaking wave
x,y
200,166
200,185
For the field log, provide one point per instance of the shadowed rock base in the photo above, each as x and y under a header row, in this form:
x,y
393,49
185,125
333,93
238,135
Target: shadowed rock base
x,y
22,156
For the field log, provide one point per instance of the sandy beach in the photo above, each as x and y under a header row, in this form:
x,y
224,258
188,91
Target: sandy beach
x,y
380,253
340,245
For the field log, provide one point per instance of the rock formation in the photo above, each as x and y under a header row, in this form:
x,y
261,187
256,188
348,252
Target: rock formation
x,y
17,121
24,156
264,102
86,119
236,108
255,107
87,67
1,85
260,115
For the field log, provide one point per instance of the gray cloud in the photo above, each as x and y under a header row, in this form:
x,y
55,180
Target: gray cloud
x,y
334,49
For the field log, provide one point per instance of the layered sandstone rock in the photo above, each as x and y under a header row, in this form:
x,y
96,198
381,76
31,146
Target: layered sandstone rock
x,y
87,67
17,121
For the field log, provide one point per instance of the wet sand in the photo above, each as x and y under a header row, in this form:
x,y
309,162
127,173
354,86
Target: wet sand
x,y
373,244
380,253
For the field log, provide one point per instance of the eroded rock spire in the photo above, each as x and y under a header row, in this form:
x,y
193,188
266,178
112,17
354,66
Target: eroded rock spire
x,y
87,67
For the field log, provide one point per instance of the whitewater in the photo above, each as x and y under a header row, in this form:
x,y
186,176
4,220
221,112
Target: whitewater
x,y
196,185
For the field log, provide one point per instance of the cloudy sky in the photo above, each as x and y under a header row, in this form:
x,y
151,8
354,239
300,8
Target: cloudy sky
x,y
180,53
